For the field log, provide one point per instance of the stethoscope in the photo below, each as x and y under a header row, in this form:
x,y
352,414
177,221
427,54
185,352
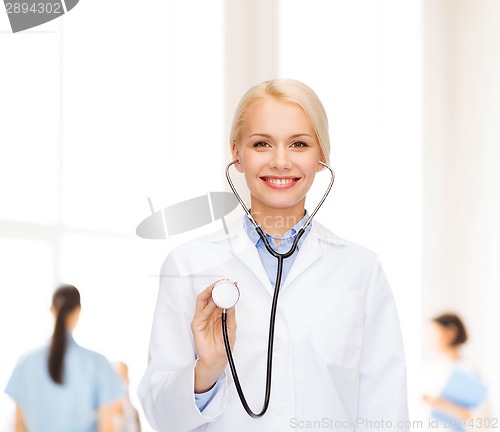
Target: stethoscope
x,y
225,295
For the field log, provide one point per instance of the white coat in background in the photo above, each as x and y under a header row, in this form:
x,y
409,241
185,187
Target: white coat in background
x,y
338,355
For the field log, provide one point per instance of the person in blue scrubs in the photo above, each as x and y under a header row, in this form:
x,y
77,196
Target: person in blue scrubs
x,y
62,386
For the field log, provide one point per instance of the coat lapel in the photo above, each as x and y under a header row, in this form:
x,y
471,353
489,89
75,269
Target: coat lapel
x,y
243,248
309,252
247,253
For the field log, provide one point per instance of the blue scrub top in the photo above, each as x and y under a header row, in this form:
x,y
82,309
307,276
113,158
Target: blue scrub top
x,y
89,383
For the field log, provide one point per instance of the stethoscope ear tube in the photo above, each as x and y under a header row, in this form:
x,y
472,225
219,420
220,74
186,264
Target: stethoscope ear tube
x,y
332,179
247,211
280,257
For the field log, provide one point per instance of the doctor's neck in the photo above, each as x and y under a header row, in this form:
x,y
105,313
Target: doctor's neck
x,y
277,221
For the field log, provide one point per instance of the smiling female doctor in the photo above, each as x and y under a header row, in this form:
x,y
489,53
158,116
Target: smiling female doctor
x,y
338,359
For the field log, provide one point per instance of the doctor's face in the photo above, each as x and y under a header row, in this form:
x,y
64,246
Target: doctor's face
x,y
279,155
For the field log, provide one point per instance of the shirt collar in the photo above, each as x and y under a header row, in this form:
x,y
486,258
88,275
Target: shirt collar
x,y
291,233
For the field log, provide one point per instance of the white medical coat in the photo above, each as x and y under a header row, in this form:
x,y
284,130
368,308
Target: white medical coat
x,y
338,355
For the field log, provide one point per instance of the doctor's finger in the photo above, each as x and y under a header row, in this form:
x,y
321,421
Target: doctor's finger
x,y
204,298
204,310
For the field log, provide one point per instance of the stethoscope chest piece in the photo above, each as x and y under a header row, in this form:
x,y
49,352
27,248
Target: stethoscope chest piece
x,y
225,294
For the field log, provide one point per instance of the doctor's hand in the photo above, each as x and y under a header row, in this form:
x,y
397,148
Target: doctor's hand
x,y
209,343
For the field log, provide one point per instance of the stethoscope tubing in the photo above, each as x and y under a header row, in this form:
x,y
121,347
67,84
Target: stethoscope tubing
x,y
259,229
280,257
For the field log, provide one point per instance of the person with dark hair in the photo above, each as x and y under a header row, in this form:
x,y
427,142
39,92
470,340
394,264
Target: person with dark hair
x,y
62,386
453,332
453,383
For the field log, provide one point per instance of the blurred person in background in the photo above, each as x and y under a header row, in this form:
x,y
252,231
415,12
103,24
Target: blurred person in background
x,y
127,419
61,386
454,392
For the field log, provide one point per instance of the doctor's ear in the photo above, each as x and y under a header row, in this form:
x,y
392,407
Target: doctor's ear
x,y
236,156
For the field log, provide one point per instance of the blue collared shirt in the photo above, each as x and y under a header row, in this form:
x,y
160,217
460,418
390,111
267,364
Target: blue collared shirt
x,y
270,264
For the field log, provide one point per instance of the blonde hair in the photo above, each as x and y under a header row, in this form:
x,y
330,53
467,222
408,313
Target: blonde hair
x,y
287,90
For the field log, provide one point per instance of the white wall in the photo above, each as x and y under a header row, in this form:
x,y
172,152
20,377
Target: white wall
x,y
462,160
109,105
365,61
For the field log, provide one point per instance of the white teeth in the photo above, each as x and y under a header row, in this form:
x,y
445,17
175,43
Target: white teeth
x,y
279,181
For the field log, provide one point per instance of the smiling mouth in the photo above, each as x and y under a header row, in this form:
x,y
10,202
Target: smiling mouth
x,y
280,182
